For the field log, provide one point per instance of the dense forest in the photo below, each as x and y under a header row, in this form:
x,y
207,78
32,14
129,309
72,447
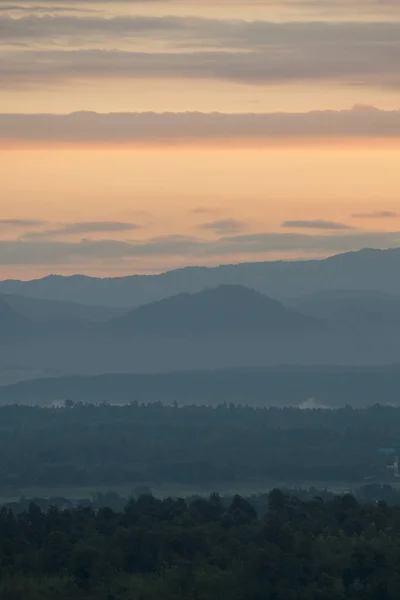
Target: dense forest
x,y
203,550
135,444
365,494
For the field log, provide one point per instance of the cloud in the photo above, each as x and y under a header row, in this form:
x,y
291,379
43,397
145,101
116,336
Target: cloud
x,y
20,223
53,5
186,31
257,53
204,210
298,242
49,8
89,252
297,3
307,7
96,227
222,226
159,128
378,214
42,252
82,227
316,224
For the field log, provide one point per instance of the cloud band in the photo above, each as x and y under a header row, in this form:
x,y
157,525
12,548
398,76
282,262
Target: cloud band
x,y
88,127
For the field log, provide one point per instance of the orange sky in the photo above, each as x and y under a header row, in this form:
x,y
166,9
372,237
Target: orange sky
x,y
105,208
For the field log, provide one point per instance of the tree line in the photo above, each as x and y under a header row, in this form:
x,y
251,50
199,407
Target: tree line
x,y
318,549
135,444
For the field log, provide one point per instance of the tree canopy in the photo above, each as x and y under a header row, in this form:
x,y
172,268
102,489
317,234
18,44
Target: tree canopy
x,y
203,550
134,444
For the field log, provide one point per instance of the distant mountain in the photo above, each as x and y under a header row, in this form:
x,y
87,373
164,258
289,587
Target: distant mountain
x,y
364,310
367,269
38,309
224,310
12,373
11,322
223,327
26,321
276,386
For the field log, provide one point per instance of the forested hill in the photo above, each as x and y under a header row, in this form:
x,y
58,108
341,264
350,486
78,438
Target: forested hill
x,y
203,550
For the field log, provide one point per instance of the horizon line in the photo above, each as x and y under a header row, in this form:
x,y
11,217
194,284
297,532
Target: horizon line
x,y
208,267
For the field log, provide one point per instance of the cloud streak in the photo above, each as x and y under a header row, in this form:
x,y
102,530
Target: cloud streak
x,y
19,223
24,252
316,224
256,53
82,227
223,226
194,31
378,214
320,6
34,8
159,128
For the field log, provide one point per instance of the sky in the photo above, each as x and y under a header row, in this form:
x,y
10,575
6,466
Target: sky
x,y
139,136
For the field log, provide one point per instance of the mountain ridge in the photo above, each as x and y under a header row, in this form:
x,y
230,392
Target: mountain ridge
x,y
222,310
365,269
41,309
12,323
268,386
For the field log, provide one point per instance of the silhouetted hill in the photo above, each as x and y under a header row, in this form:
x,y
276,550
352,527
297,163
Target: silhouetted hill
x,y
46,310
357,309
367,269
225,310
276,386
26,321
224,327
11,322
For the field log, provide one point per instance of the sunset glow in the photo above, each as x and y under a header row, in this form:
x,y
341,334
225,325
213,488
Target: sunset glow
x,y
174,181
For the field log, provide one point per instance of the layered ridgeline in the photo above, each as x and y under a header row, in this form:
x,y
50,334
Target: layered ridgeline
x,y
353,309
12,323
225,310
223,327
226,326
367,269
40,309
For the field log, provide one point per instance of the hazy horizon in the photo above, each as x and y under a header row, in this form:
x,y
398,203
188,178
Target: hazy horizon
x,y
189,266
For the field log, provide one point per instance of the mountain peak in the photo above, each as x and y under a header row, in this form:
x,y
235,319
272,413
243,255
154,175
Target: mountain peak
x,y
364,269
227,309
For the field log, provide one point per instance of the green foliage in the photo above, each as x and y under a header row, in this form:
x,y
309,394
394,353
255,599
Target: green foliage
x,y
337,549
